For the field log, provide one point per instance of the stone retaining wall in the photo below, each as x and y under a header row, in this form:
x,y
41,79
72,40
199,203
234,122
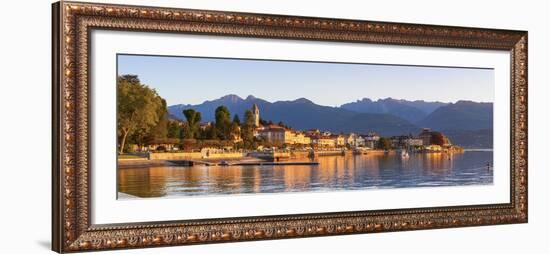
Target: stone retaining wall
x,y
174,156
194,155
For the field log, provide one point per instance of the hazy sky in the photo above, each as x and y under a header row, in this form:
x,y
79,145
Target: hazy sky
x,y
190,80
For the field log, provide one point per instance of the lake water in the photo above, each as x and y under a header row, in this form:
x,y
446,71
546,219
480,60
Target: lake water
x,y
349,172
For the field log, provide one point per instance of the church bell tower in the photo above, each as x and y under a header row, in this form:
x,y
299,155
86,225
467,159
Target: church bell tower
x,y
256,112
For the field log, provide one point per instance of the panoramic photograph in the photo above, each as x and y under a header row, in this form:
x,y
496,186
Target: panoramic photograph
x,y
199,126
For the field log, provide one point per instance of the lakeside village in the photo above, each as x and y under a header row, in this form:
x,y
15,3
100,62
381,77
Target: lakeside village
x,y
256,142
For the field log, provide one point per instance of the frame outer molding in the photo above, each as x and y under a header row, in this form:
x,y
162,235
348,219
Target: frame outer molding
x,y
71,226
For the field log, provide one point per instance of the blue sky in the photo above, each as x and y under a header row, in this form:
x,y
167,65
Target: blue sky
x,y
189,80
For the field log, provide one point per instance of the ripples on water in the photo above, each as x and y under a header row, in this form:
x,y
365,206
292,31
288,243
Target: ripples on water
x,y
350,172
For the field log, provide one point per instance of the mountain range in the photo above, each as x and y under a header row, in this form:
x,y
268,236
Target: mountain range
x,y
412,111
387,117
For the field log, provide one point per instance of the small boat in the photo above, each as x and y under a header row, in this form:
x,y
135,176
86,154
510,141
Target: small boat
x,y
224,163
359,151
404,154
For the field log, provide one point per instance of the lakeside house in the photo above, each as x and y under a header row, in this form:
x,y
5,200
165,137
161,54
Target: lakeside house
x,y
412,141
430,137
165,144
339,140
371,140
325,141
425,136
354,140
272,133
406,141
299,138
433,148
434,141
282,135
204,126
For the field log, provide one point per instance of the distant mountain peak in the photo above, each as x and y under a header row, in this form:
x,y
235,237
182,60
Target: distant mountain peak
x,y
365,99
468,102
231,97
410,110
387,106
387,99
302,100
250,97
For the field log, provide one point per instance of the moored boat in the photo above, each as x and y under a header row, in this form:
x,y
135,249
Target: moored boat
x,y
360,150
404,154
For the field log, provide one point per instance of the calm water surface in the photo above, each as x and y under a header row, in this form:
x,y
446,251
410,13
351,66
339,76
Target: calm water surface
x,y
350,172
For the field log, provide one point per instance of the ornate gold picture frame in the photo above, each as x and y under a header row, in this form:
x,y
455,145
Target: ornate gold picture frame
x,y
72,229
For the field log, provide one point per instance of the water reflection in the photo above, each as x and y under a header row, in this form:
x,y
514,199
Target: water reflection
x,y
333,173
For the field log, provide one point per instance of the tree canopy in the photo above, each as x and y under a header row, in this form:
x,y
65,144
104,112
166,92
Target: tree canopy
x,y
438,138
223,122
193,120
384,143
236,119
247,129
139,108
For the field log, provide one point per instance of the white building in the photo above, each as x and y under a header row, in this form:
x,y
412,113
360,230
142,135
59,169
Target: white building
x,y
371,139
354,140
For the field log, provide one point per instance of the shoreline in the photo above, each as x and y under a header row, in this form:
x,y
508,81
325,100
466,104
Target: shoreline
x,y
122,164
243,161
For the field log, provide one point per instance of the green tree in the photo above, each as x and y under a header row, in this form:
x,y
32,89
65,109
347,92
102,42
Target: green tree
x,y
193,120
160,131
174,130
383,144
236,119
223,122
138,107
247,129
211,133
138,137
438,138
